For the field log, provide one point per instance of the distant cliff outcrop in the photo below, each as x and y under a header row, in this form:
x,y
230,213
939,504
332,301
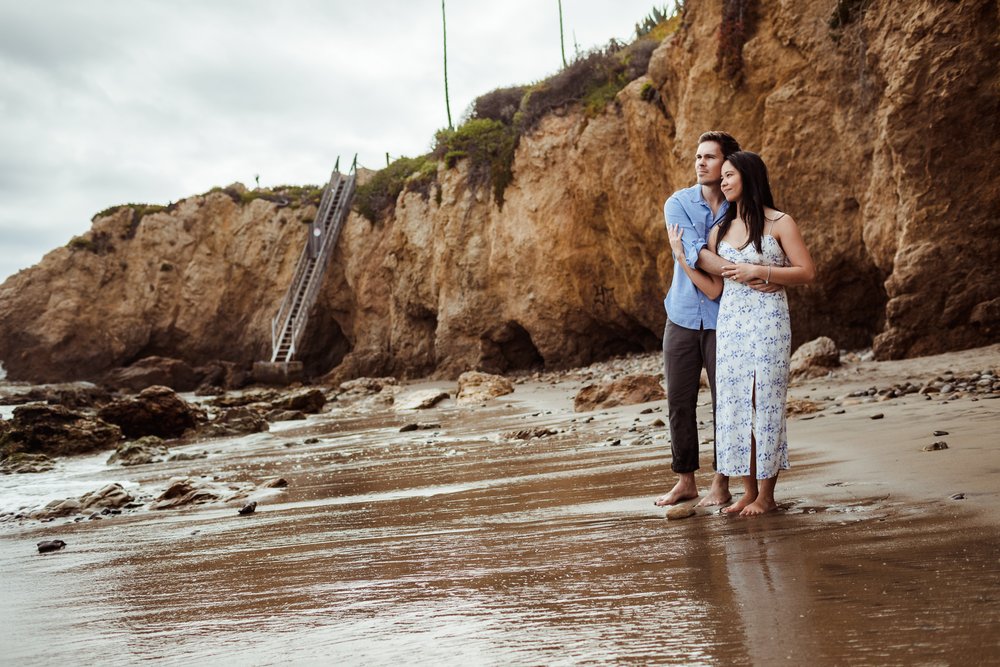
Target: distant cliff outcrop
x,y
875,120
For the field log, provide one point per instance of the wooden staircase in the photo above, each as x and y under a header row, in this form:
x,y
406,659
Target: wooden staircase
x,y
289,324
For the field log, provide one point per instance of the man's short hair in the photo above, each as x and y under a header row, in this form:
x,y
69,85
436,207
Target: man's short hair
x,y
724,139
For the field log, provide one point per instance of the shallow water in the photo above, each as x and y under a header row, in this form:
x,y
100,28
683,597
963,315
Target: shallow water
x,y
457,546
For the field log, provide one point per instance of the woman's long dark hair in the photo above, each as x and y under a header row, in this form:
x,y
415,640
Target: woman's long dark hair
x,y
756,195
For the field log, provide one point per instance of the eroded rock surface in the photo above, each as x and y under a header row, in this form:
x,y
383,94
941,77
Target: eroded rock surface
x,y
629,390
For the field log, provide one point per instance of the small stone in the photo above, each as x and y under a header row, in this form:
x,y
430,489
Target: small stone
x,y
647,411
936,446
839,412
947,389
877,415
278,483
249,508
47,546
311,441
677,513
958,496
938,434
659,423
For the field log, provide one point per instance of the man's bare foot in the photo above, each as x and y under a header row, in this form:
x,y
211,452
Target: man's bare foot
x,y
718,494
759,506
683,490
741,504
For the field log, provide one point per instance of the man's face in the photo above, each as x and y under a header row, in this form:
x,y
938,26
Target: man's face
x,y
708,163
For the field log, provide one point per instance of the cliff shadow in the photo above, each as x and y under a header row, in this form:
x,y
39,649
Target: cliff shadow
x,y
508,347
323,344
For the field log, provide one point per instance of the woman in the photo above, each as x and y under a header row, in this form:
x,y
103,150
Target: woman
x,y
753,338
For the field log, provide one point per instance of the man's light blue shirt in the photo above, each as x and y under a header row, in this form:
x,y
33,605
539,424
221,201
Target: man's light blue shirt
x,y
686,305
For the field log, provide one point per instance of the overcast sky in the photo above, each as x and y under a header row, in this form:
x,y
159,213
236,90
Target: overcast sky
x,y
104,102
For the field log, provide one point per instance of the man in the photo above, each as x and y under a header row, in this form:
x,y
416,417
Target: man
x,y
689,336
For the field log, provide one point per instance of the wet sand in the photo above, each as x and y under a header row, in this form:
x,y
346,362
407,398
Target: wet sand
x,y
458,545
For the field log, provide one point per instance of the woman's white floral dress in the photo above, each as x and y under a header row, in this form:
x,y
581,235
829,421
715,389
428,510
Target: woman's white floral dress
x,y
753,346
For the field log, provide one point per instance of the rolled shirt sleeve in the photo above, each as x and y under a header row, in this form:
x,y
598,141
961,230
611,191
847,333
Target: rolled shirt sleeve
x,y
693,242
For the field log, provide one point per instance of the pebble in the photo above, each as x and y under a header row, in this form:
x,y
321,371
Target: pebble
x,y
658,423
877,415
938,434
936,446
683,512
249,508
958,496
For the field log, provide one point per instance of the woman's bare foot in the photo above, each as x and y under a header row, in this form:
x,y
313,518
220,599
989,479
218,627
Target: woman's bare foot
x,y
759,506
684,489
718,494
745,500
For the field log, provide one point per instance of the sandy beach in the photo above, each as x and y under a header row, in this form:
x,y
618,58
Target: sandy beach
x,y
521,532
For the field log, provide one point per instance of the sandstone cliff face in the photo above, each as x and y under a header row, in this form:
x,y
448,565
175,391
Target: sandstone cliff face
x,y
199,283
875,134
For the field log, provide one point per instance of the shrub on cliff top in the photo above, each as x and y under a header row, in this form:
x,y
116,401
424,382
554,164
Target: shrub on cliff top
x,y
376,199
489,146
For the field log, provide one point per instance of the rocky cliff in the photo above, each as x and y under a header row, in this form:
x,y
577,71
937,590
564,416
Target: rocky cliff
x,y
874,118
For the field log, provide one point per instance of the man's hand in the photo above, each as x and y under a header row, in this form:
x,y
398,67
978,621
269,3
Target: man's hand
x,y
761,286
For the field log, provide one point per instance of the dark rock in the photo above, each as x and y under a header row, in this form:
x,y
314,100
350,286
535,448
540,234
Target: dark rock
x,y
365,387
26,463
936,446
877,415
153,371
528,434
235,421
76,395
48,546
157,410
958,496
194,490
284,415
309,401
223,374
56,431
311,441
249,508
248,398
147,449
628,390
938,434
278,483
658,423
418,426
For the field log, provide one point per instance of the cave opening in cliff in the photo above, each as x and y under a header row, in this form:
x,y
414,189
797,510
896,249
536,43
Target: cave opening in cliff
x,y
324,344
508,347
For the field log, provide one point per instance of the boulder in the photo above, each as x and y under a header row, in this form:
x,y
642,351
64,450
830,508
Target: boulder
x,y
266,396
284,415
56,431
26,463
151,371
628,390
111,496
235,421
147,449
815,358
157,410
75,395
309,401
476,387
365,387
222,374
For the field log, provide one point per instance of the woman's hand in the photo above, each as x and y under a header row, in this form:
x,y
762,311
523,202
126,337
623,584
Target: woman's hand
x,y
674,233
743,273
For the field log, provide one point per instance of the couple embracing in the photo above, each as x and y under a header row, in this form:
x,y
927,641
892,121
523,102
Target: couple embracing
x,y
734,253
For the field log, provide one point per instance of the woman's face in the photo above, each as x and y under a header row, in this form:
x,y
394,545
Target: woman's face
x,y
732,182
